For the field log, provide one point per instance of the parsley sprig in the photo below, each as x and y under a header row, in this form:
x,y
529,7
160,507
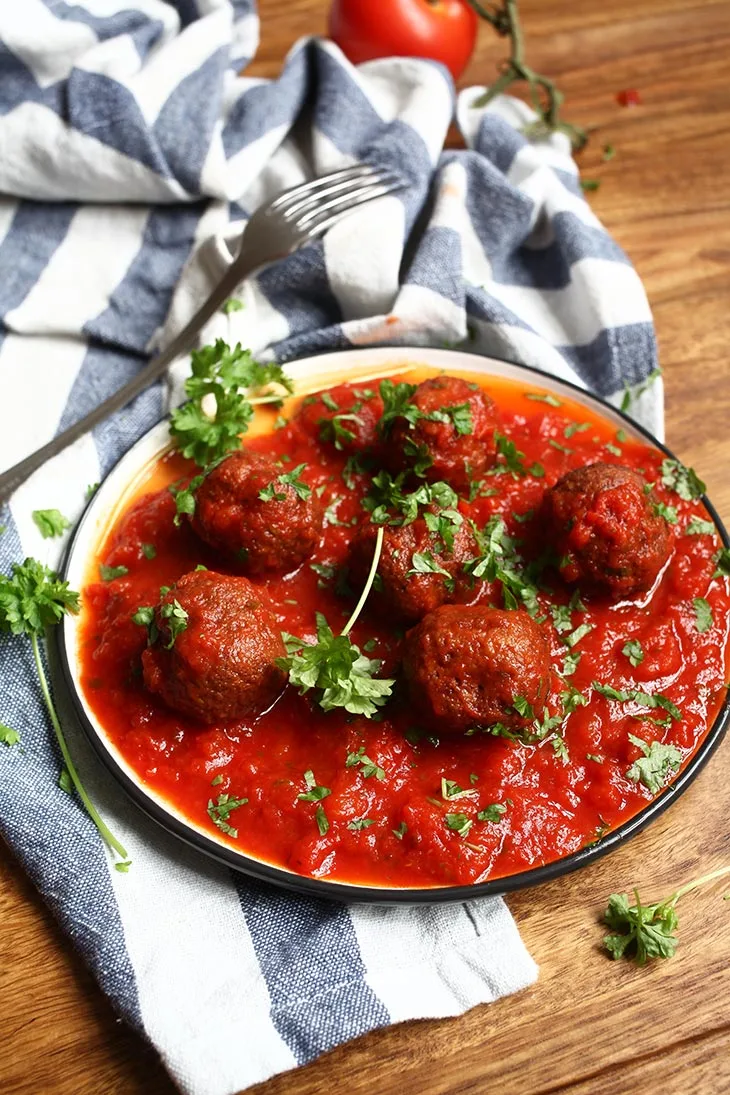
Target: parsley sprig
x,y
33,599
233,379
499,560
641,932
388,504
336,668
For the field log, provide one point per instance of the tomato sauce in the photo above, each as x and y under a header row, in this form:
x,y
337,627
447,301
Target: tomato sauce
x,y
554,804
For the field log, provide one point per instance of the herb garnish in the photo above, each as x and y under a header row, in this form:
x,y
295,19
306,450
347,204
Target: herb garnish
x,y
232,305
722,563
658,762
703,615
633,651
494,813
50,522
32,599
630,396
498,560
220,812
171,612
334,429
314,792
450,790
222,372
387,503
334,666
641,931
108,574
459,823
635,696
149,551
287,479
699,527
682,480
8,736
669,513
360,823
369,767
536,397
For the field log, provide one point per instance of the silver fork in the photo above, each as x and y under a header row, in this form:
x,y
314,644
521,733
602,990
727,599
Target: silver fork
x,y
295,218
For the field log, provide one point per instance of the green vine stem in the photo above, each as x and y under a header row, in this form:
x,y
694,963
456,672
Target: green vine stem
x,y
545,96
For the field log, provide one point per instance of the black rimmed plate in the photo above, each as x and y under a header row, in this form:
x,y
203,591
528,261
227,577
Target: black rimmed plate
x,y
319,373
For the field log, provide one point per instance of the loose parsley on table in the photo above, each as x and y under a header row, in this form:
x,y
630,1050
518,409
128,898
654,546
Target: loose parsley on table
x,y
50,522
641,932
33,599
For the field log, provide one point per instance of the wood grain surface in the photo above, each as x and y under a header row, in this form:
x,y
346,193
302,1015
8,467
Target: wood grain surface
x,y
589,1025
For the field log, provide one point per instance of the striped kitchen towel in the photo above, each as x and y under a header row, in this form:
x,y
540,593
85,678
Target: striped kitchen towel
x,y
131,153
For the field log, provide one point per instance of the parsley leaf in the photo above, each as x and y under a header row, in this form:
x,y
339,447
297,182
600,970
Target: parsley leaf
x,y
669,513
499,561
631,396
703,615
722,563
232,305
494,813
633,651
287,479
682,480
220,812
401,831
459,823
176,618
450,790
149,551
334,430
635,696
538,397
221,372
50,522
360,823
641,932
108,574
424,562
396,404
699,527
658,762
314,792
8,736
369,767
321,818
32,599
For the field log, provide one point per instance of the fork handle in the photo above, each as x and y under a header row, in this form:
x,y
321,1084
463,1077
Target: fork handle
x,y
13,477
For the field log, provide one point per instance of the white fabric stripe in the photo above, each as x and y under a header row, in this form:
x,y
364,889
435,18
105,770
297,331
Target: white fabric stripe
x,y
117,177
244,167
203,999
184,54
83,271
60,484
377,233
430,963
117,58
245,37
36,376
8,209
602,293
55,45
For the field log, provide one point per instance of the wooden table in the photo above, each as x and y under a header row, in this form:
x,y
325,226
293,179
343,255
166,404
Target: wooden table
x,y
589,1025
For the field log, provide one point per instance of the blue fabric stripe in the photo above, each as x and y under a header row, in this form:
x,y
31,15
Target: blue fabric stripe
x,y
35,233
54,839
18,85
437,264
143,31
266,106
298,287
616,356
315,1003
139,304
184,125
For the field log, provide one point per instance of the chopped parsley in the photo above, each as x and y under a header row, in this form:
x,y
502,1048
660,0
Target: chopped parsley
x,y
561,448
494,813
459,823
633,651
699,527
635,696
570,663
314,792
669,513
360,823
108,574
722,563
232,305
575,427
401,831
658,762
65,782
499,561
287,479
613,449
682,480
387,503
576,636
220,811
336,431
424,562
703,615
171,612
149,551
369,767
537,397
329,401
50,522
631,396
8,736
450,790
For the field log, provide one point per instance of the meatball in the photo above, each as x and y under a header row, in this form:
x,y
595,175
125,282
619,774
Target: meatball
x,y
475,666
346,416
449,436
246,508
398,591
214,655
605,530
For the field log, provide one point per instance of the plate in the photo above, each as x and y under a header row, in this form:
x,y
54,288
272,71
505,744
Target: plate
x,y
321,372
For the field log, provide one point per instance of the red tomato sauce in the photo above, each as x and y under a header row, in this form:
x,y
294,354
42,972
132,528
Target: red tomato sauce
x,y
554,804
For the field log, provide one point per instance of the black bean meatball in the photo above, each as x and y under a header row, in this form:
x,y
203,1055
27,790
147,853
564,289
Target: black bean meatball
x,y
474,666
398,591
605,530
245,508
448,436
214,657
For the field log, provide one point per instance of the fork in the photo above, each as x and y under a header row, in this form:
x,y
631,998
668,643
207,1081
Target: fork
x,y
293,219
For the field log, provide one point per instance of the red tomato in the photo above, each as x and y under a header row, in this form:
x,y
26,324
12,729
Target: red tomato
x,y
442,30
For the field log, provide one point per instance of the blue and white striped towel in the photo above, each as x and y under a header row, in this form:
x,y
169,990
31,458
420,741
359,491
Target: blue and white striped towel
x,y
132,152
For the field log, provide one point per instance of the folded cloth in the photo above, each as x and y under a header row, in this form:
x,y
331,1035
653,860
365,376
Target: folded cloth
x,y
140,104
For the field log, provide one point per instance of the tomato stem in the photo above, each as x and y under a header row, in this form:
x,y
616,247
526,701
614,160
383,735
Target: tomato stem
x,y
546,98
